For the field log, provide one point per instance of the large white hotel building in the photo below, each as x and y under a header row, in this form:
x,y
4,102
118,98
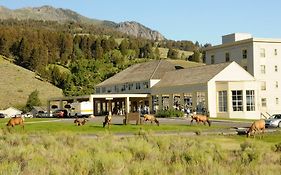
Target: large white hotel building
x,y
261,57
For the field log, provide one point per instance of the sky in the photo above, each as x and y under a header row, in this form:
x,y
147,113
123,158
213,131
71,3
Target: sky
x,y
204,21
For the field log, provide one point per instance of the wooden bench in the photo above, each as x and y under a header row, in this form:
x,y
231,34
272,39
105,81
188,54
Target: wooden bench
x,y
132,116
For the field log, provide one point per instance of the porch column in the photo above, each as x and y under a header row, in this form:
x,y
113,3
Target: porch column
x,y
160,102
171,101
150,104
48,108
60,104
194,100
127,105
109,107
182,100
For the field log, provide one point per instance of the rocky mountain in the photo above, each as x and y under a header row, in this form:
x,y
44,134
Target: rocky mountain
x,y
49,13
139,30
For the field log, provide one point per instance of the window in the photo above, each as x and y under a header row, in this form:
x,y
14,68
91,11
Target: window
x,y
237,100
130,86
123,87
263,85
277,101
138,86
276,68
97,90
212,59
227,57
222,101
276,84
103,89
262,69
275,51
262,52
250,100
244,54
116,88
263,102
145,84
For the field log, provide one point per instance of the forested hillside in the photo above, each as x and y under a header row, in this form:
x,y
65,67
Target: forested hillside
x,y
75,57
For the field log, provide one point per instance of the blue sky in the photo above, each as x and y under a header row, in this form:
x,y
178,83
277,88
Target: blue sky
x,y
198,20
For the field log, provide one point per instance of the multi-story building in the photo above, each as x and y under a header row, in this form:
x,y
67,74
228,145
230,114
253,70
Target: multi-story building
x,y
261,57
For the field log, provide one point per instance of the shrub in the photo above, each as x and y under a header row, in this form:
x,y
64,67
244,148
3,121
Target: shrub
x,y
278,147
169,113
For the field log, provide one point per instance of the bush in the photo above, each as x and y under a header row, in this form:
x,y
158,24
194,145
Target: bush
x,y
169,113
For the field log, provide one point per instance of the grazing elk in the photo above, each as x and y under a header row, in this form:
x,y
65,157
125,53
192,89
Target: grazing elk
x,y
107,120
257,126
200,118
150,118
15,121
80,122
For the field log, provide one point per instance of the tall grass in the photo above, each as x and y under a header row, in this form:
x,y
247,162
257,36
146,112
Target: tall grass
x,y
69,153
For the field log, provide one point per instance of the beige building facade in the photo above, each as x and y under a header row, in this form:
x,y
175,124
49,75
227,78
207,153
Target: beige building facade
x,y
212,88
261,57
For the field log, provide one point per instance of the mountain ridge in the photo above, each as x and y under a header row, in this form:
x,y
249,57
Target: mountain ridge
x,y
49,13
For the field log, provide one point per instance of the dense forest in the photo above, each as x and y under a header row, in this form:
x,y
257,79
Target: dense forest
x,y
75,57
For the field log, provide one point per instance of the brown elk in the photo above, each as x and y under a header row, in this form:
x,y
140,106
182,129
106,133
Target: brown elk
x,y
80,122
257,126
15,121
107,120
200,118
150,118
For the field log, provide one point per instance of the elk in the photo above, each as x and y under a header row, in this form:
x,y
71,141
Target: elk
x,y
257,126
107,120
80,122
200,118
150,118
15,121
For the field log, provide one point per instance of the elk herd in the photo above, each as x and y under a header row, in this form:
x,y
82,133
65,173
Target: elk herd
x,y
257,127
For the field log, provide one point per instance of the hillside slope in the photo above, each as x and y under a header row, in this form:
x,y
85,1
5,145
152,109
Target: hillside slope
x,y
16,83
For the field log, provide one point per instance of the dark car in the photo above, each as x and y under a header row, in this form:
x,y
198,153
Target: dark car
x,y
273,121
60,113
2,115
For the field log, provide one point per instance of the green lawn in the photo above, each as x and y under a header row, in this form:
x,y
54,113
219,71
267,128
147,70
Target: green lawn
x,y
94,127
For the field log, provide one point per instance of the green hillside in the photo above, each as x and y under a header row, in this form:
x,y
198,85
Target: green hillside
x,y
16,83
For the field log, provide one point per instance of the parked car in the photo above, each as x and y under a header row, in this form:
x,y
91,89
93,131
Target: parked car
x,y
273,121
60,113
27,115
3,115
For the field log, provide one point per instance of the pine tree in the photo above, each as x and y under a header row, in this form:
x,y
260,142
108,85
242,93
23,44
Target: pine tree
x,y
33,100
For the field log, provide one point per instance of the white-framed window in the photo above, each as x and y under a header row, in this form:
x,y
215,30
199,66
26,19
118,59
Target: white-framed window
x,y
263,85
263,102
227,57
276,68
262,52
222,101
116,88
275,52
250,100
212,59
244,54
262,69
237,100
276,84
277,101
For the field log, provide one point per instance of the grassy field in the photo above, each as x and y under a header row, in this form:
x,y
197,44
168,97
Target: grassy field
x,y
70,153
17,83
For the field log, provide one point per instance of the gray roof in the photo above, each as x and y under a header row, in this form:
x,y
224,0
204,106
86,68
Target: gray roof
x,y
189,76
140,72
